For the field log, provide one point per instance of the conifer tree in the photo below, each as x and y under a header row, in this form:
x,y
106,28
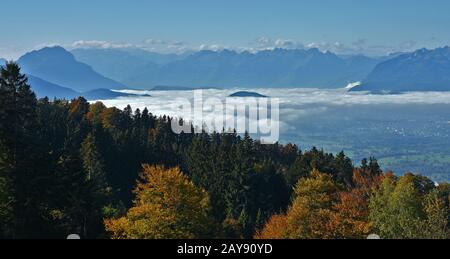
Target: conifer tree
x,y
20,141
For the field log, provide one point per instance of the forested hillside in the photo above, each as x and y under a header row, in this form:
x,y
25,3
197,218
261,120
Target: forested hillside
x,y
74,167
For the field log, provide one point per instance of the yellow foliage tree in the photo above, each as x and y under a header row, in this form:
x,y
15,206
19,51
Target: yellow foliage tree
x,y
310,215
167,206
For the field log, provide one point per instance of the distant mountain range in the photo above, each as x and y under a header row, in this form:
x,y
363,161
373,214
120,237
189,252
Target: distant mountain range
x,y
422,70
269,68
120,64
58,66
2,61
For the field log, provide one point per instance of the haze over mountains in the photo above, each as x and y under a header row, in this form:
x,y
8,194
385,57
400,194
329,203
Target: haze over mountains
x,y
119,64
44,88
423,70
227,68
58,65
56,72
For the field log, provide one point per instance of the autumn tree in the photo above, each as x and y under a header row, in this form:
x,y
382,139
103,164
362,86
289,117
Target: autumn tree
x,y
395,209
408,208
167,205
275,228
435,225
311,212
323,209
350,218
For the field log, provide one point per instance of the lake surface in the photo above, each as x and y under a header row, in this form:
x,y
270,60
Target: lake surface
x,y
407,132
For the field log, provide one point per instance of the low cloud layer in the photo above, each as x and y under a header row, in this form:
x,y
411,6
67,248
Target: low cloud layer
x,y
295,104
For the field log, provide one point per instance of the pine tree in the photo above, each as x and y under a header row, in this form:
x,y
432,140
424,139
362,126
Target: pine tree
x,y
20,140
6,199
92,161
246,224
344,169
96,188
259,221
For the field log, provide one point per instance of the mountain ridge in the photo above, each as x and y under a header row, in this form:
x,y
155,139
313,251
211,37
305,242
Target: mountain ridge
x,y
44,88
58,66
421,70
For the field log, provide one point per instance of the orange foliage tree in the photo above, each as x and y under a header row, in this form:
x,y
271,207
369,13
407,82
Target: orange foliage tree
x,y
350,218
323,209
274,229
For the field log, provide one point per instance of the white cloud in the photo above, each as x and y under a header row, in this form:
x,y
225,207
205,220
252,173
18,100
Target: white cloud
x,y
288,44
265,43
213,47
156,45
164,42
155,42
268,43
100,44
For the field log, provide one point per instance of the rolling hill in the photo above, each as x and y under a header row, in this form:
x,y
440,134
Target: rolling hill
x,y
247,94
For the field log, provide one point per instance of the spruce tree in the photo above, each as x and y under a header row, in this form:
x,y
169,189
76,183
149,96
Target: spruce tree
x,y
20,140
96,189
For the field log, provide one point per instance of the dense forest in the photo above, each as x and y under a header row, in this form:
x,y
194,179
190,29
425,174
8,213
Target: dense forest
x,y
75,167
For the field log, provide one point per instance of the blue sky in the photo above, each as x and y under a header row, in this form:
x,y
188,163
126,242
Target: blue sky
x,y
345,26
